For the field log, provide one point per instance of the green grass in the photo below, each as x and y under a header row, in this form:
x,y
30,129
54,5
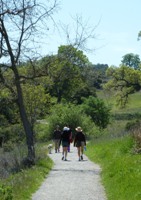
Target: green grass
x,y
121,170
133,105
25,183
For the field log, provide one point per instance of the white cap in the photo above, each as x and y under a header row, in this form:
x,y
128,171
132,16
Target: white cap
x,y
65,128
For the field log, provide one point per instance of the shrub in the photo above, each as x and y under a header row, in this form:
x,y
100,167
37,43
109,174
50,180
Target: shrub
x,y
13,133
97,110
132,125
135,128
5,192
7,147
12,161
41,132
70,115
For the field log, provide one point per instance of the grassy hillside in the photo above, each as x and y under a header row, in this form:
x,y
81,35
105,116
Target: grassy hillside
x,y
121,170
121,167
134,102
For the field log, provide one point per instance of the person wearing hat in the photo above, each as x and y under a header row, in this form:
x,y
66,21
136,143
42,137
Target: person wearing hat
x,y
80,142
65,138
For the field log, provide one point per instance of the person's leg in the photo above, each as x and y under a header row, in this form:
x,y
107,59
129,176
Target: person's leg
x,y
63,153
55,141
69,148
66,151
58,145
78,150
82,149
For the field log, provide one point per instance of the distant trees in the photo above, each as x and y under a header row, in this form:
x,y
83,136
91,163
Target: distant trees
x,y
68,75
65,73
131,60
126,79
123,82
139,35
100,74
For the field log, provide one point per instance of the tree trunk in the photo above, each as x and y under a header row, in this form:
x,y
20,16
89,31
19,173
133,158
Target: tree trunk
x,y
26,124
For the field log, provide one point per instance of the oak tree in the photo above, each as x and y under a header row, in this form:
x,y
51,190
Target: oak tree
x,y
21,23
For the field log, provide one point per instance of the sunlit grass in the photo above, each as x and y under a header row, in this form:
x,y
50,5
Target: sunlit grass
x,y
26,182
121,170
133,105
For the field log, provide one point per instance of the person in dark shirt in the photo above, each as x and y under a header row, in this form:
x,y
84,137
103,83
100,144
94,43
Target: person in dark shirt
x,y
57,139
65,138
80,142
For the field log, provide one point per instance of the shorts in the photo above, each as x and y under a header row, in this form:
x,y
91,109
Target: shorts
x,y
65,144
80,144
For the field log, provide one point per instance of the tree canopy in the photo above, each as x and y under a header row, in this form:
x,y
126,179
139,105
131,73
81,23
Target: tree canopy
x,y
20,24
123,82
131,60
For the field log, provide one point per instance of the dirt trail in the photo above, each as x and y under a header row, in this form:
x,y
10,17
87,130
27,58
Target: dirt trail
x,y
71,180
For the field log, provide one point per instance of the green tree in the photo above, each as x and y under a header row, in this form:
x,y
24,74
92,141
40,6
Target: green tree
x,y
66,73
8,108
99,112
21,22
72,115
35,101
131,60
123,82
96,75
139,35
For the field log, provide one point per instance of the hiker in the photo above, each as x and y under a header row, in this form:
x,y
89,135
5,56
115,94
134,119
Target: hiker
x,y
70,137
65,142
57,138
80,142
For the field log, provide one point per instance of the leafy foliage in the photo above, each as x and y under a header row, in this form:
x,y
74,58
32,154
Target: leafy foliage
x,y
124,81
131,60
66,74
73,116
8,107
97,110
36,101
11,134
5,192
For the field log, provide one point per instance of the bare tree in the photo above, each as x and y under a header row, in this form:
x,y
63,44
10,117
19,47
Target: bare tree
x,y
21,23
79,34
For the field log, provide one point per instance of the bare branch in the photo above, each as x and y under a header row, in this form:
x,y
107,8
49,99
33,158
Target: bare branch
x,y
28,21
80,34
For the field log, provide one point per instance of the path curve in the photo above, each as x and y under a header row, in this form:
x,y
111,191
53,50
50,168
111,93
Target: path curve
x,y
71,180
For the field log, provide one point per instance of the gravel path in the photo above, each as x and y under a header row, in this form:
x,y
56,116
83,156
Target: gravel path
x,y
71,180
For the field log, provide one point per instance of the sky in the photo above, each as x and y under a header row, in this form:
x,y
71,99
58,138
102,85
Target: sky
x,y
117,24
